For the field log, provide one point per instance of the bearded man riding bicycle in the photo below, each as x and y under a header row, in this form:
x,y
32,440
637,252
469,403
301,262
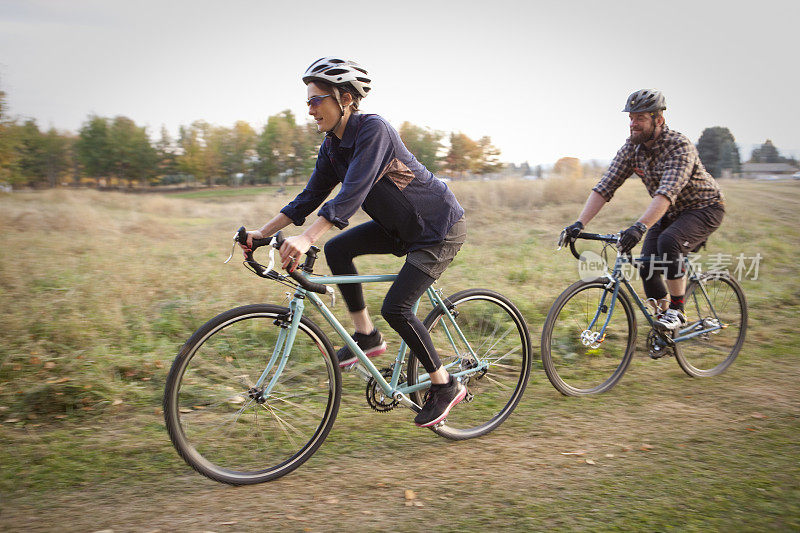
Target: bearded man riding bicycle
x,y
687,204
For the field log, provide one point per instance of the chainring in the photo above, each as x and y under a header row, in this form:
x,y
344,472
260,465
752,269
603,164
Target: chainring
x,y
656,346
376,398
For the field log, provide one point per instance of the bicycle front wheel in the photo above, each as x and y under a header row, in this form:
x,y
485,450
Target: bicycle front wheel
x,y
716,302
498,346
224,423
577,358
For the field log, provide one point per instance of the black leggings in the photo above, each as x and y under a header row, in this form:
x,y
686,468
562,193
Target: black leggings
x,y
669,241
411,283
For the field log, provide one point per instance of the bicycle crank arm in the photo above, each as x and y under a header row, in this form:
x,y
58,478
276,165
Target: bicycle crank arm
x,y
405,401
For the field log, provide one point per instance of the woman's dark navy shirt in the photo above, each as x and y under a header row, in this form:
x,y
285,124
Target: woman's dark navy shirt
x,y
381,176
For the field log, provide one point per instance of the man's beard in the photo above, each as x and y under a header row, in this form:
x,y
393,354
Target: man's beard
x,y
642,137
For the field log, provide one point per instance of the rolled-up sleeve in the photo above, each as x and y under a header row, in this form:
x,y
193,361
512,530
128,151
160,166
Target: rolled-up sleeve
x,y
678,167
619,170
322,182
372,152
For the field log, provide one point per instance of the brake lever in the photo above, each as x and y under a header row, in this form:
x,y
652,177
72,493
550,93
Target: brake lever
x,y
233,249
562,239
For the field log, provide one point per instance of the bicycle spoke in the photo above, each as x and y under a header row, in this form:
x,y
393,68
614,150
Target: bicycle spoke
x,y
242,434
585,347
710,353
500,352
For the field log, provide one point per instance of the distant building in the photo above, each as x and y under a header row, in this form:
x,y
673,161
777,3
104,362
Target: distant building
x,y
767,170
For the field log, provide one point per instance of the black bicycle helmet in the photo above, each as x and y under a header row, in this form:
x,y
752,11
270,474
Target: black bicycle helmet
x,y
645,101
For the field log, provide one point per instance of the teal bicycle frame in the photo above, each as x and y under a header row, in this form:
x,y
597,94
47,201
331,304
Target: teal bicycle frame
x,y
393,389
618,279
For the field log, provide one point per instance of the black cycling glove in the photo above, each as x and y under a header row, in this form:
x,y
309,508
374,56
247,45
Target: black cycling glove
x,y
572,231
630,237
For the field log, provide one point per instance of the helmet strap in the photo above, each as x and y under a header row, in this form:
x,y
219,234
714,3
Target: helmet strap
x,y
652,133
341,110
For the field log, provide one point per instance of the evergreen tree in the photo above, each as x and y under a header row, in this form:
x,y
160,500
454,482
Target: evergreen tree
x,y
718,151
767,153
93,149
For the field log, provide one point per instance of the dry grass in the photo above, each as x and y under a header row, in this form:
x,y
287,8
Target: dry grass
x,y
100,289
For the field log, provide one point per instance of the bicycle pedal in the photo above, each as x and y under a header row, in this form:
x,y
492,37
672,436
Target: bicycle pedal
x,y
666,336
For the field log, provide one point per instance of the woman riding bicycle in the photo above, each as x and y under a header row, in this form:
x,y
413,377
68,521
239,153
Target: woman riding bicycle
x,y
413,214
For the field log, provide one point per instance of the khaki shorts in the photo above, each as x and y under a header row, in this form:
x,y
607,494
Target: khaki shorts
x,y
435,259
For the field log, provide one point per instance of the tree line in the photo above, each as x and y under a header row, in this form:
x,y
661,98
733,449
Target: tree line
x,y
719,152
116,152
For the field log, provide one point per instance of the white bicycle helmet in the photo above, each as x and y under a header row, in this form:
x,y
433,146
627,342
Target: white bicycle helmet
x,y
339,72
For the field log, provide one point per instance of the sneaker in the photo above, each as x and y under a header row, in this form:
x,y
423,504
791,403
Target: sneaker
x,y
671,320
438,401
372,345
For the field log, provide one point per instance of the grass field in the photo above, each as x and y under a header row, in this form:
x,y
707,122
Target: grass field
x,y
99,291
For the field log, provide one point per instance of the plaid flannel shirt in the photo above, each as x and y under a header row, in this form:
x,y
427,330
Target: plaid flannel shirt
x,y
672,168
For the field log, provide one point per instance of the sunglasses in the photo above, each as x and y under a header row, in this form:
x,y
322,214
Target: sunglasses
x,y
314,101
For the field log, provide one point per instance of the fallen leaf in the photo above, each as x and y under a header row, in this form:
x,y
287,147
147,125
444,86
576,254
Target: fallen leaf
x,y
35,360
646,447
12,420
418,503
576,452
50,364
609,455
332,500
116,402
228,523
590,462
410,494
758,415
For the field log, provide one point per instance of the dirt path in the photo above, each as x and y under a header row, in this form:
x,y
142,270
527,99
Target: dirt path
x,y
569,467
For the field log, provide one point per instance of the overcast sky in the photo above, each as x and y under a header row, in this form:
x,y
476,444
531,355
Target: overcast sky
x,y
543,79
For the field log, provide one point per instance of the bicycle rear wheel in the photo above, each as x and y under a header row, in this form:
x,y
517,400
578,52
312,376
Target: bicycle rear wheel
x,y
722,303
576,359
226,429
499,337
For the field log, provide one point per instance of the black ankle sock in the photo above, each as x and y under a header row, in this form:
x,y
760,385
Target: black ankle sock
x,y
676,302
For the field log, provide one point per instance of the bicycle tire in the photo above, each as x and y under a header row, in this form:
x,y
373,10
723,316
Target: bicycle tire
x,y
215,420
497,331
574,368
710,354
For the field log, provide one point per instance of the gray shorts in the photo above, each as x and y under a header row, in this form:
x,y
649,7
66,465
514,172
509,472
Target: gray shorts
x,y
435,259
